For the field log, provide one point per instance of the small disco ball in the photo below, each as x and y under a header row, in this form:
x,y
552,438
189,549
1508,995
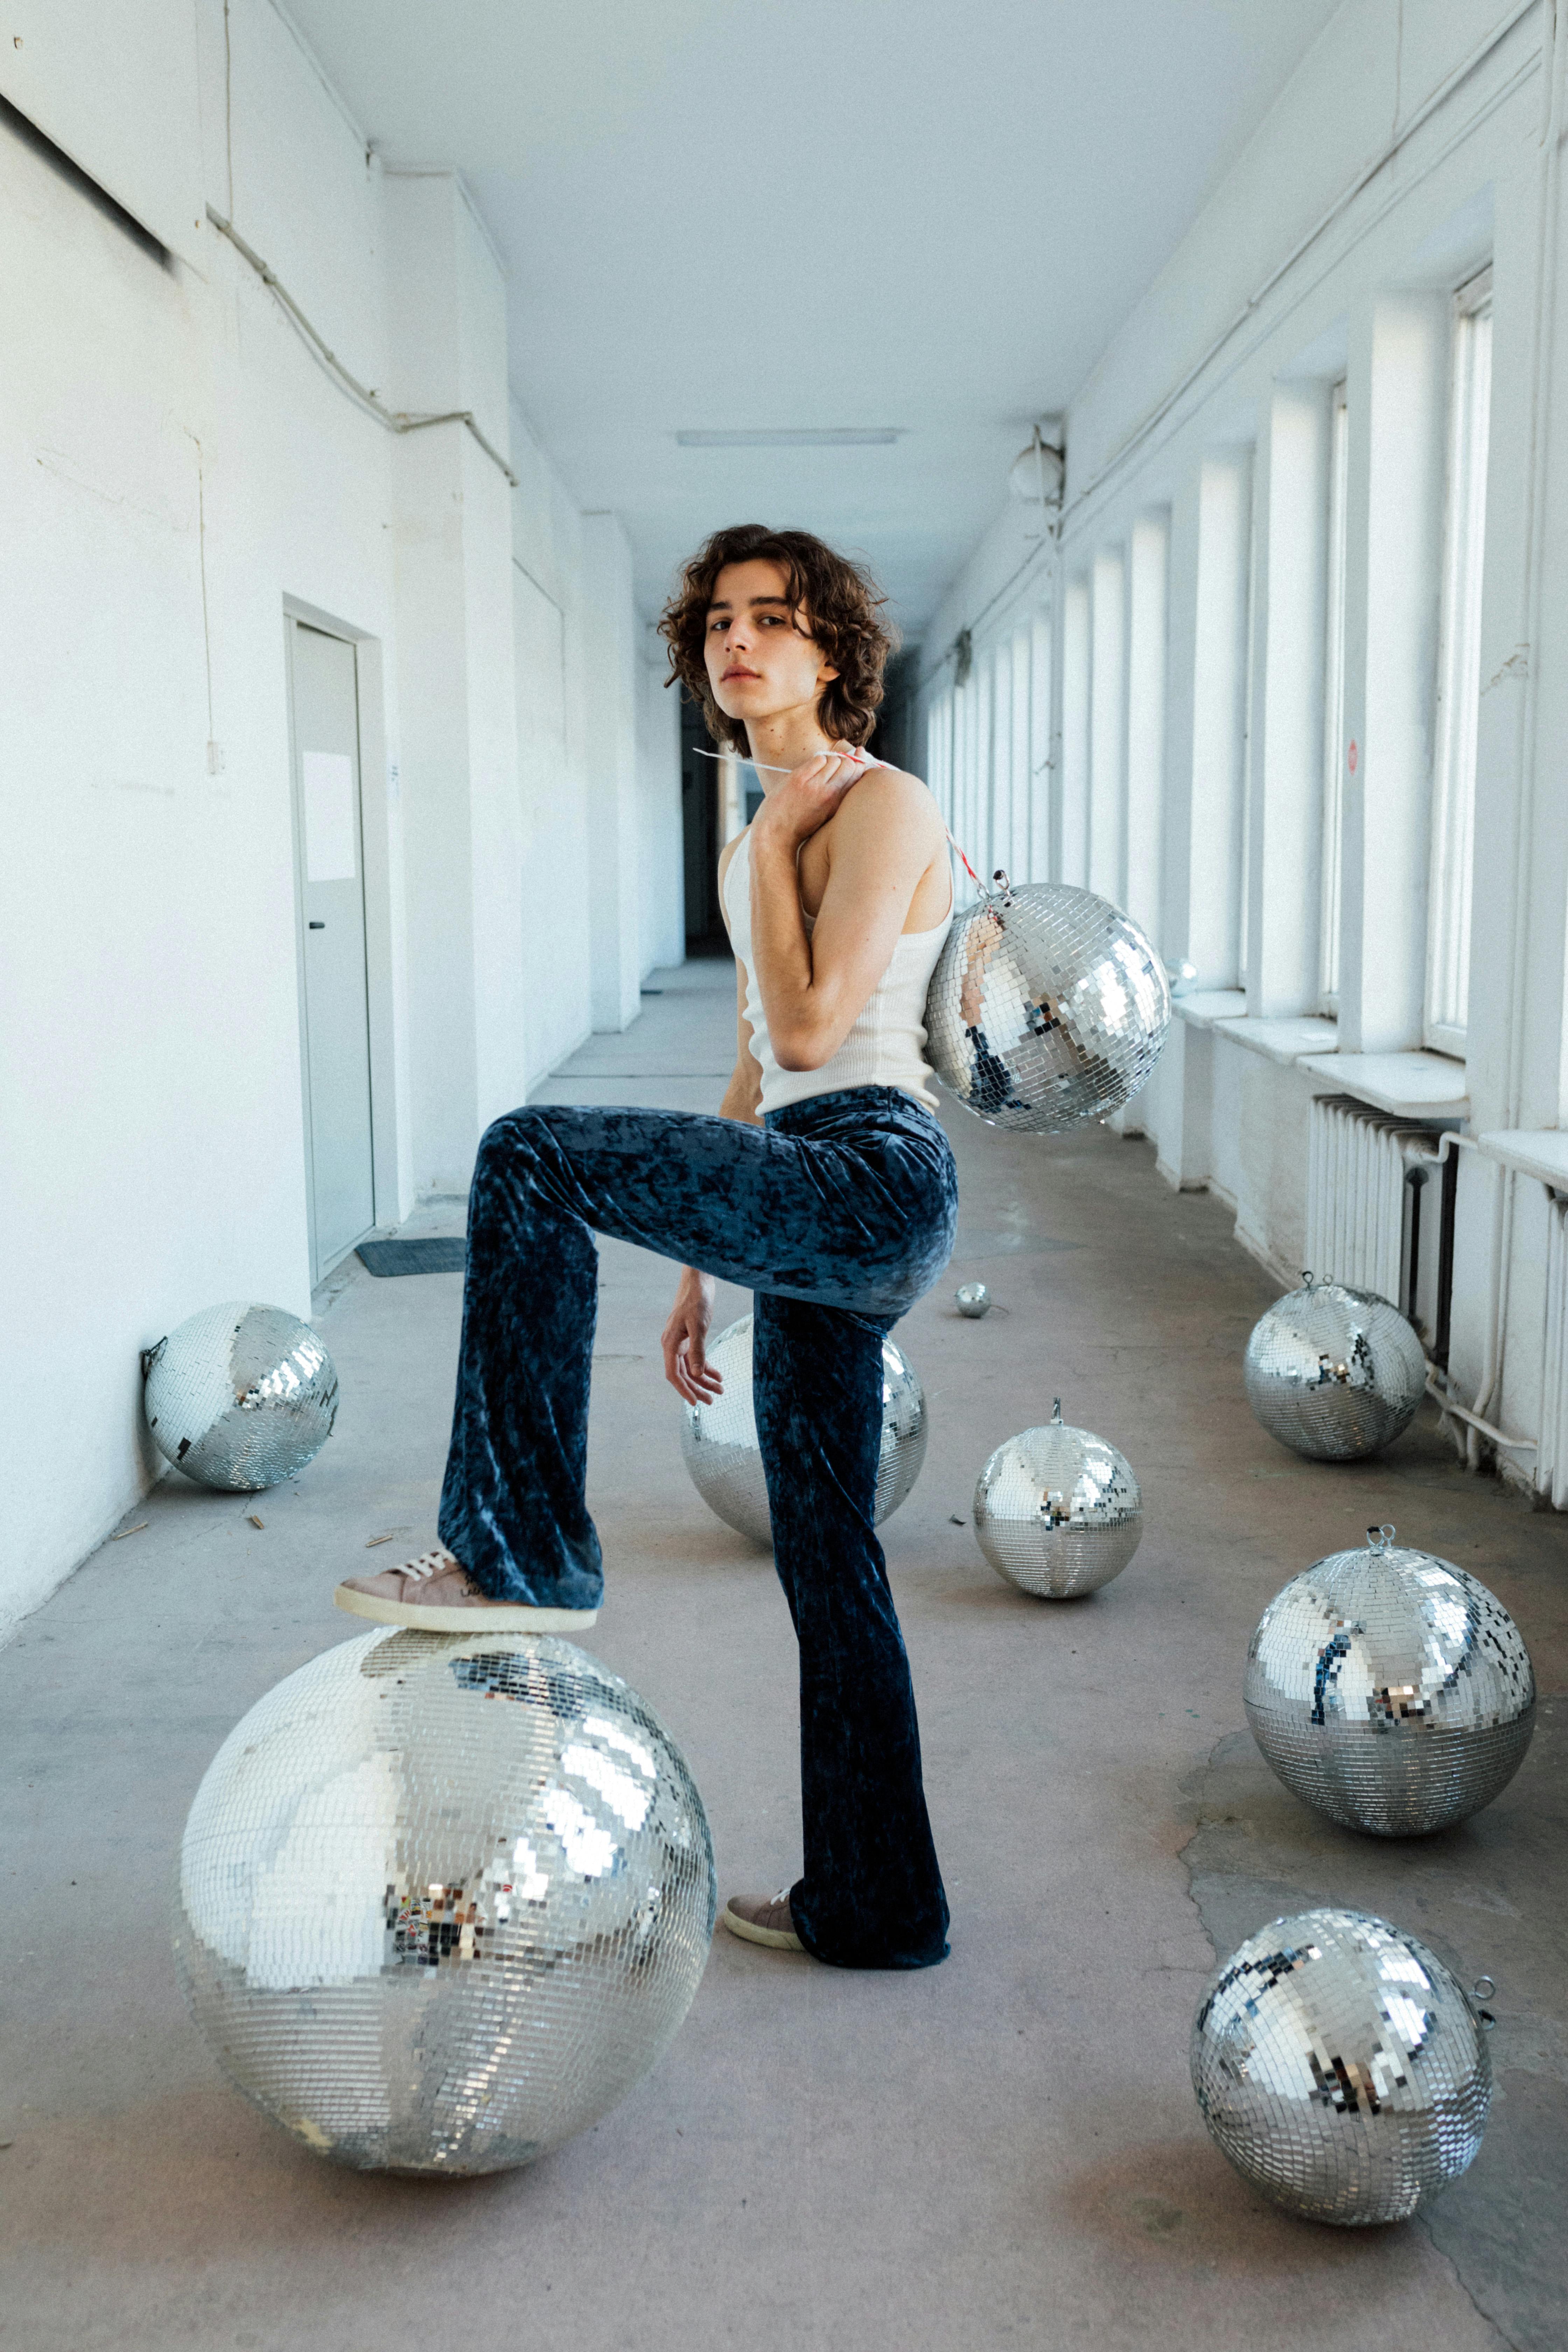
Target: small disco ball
x,y
240,1396
1057,1510
443,1899
972,1298
1390,1689
1332,1372
719,1441
1342,2068
1047,1007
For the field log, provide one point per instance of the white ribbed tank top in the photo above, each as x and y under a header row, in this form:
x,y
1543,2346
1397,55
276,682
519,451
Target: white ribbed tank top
x,y
886,1047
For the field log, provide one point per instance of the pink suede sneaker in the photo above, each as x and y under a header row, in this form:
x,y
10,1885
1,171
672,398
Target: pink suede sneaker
x,y
435,1594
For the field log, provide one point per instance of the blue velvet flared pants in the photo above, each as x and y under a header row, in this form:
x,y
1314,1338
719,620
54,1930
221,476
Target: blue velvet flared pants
x,y
837,1213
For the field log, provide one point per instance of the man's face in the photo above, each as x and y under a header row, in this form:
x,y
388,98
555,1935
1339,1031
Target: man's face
x,y
760,661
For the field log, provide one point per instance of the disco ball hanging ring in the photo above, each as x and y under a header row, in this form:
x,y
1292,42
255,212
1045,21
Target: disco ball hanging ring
x,y
1047,1006
1057,1511
719,1441
443,1899
1390,1689
1342,2068
240,1396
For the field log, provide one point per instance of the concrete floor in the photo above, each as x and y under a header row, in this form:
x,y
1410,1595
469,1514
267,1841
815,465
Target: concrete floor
x,y
1002,2150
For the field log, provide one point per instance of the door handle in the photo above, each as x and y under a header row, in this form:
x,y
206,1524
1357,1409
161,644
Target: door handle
x,y
318,927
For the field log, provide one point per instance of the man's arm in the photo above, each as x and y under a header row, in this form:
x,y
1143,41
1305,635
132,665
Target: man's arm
x,y
744,1095
886,833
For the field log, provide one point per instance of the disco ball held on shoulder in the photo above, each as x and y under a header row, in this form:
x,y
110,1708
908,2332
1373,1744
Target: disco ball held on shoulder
x,y
1057,1511
443,1899
1334,1374
1342,2068
1390,1689
240,1396
719,1441
1047,1007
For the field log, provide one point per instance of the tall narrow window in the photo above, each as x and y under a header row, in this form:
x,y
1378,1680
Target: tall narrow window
x,y
1333,705
1459,673
1244,876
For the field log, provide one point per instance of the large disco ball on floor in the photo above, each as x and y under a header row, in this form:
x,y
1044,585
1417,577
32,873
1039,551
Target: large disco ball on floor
x,y
240,1396
1342,2068
1332,1372
1057,1510
444,1899
719,1441
1047,1007
1390,1689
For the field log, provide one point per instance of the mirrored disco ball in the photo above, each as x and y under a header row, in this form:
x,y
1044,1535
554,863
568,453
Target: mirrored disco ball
x,y
1390,1689
1057,1510
972,1298
444,1899
240,1396
719,1441
1046,1006
1332,1372
1342,2068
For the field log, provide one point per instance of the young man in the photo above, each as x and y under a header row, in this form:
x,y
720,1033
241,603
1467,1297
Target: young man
x,y
825,1184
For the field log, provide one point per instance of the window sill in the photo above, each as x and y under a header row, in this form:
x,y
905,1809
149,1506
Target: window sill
x,y
1204,1006
1540,1152
1284,1042
1414,1085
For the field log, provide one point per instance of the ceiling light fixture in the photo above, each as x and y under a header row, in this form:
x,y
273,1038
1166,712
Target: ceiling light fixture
x,y
845,436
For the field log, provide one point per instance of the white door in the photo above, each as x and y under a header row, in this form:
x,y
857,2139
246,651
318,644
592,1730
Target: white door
x,y
331,868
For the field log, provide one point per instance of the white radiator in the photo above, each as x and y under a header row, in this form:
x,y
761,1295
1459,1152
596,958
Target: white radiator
x,y
1551,1457
1360,1204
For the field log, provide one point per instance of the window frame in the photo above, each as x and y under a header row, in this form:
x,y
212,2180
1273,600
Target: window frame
x,y
1456,711
1335,572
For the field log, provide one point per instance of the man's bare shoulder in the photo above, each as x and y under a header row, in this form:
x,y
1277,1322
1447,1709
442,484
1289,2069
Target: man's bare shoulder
x,y
886,797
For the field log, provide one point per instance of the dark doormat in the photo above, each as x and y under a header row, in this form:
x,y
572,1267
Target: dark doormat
x,y
438,1254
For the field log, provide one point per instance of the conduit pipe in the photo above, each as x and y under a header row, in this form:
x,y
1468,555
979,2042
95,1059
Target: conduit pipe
x,y
1476,1426
394,420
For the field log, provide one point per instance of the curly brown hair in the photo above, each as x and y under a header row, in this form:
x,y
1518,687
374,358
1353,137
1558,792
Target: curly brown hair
x,y
839,600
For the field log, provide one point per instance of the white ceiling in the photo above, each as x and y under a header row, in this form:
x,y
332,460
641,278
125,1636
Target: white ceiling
x,y
765,214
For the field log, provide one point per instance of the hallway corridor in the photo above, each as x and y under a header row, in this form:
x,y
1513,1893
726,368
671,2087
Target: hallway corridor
x,y
1004,2150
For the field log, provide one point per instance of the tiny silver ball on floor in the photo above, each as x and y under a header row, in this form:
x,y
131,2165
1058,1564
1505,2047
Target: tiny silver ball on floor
x,y
1334,1374
1390,1690
1047,1007
240,1396
1342,2068
1057,1511
443,1899
719,1441
972,1298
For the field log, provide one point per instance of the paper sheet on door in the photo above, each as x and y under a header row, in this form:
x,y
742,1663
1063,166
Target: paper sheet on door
x,y
327,778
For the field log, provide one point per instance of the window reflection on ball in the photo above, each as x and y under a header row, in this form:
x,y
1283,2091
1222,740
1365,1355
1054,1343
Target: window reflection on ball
x,y
1342,2068
444,1899
1057,1511
719,1440
240,1396
1390,1690
1047,1006
1334,1374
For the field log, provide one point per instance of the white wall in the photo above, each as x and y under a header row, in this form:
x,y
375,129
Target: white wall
x,y
661,908
177,469
1411,149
